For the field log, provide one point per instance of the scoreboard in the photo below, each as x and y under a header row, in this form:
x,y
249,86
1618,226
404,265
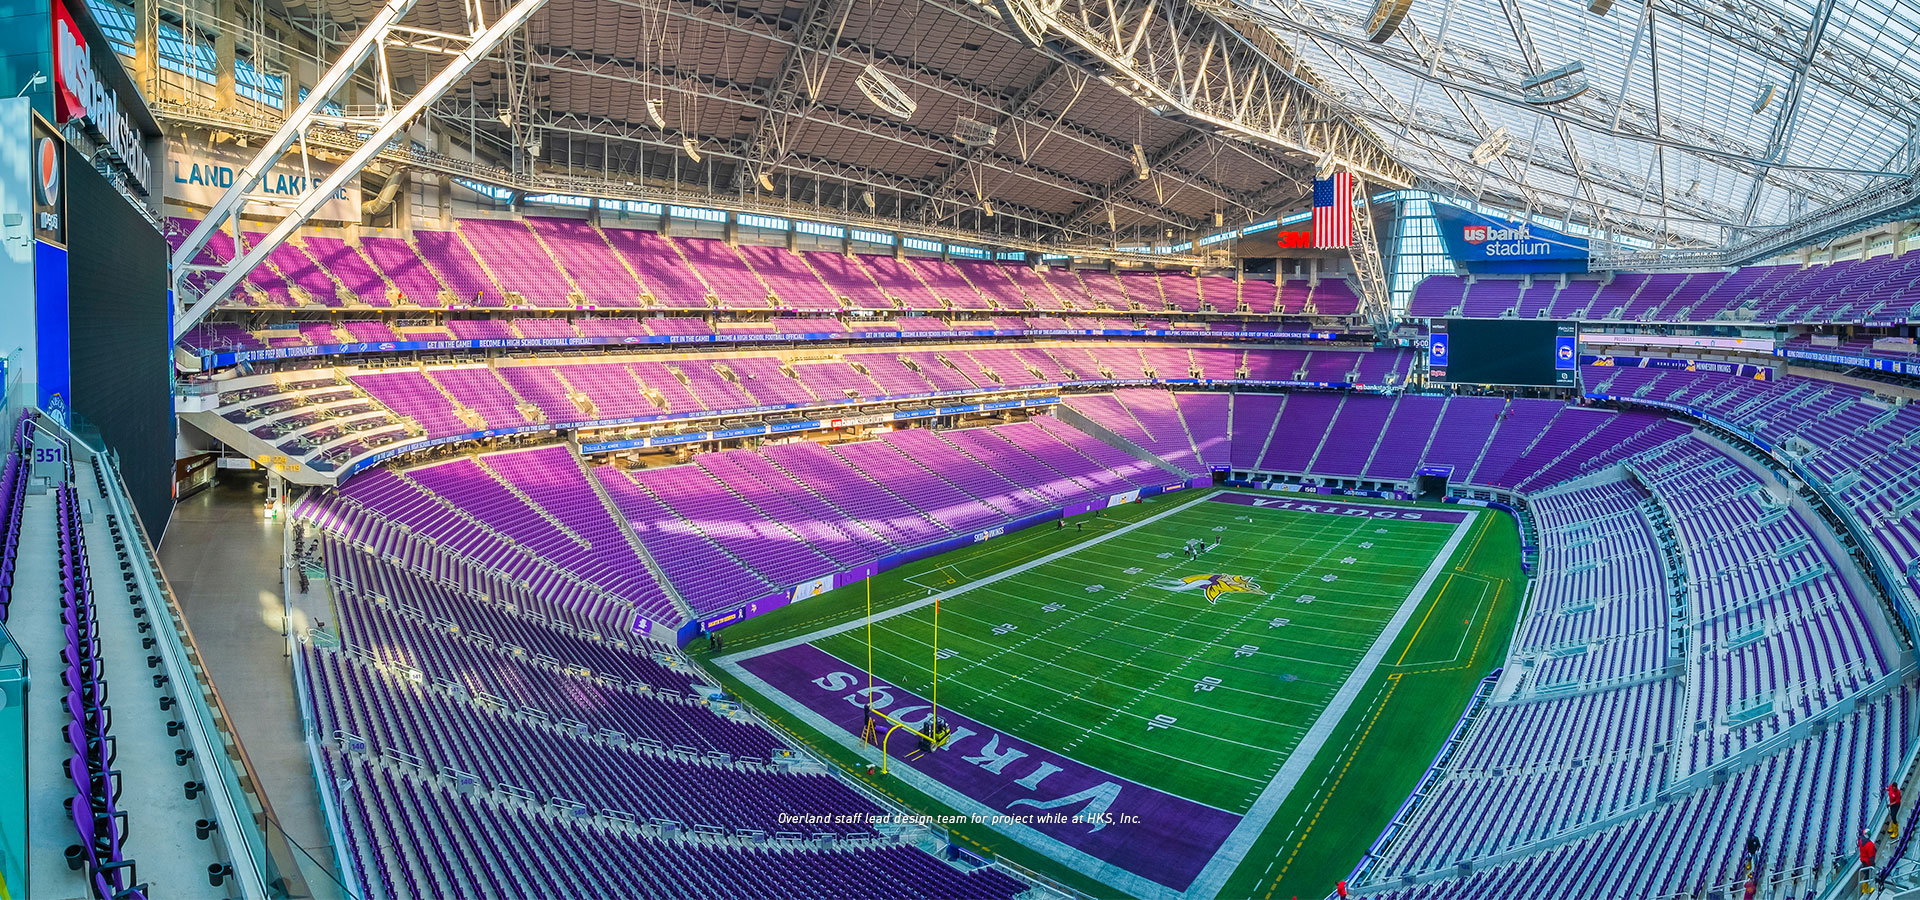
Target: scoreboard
x,y
1511,352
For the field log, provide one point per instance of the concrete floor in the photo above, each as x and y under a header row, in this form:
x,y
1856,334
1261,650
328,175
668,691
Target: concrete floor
x,y
223,559
160,819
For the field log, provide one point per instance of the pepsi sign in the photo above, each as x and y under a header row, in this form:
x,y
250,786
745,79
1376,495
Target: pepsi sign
x,y
46,170
49,168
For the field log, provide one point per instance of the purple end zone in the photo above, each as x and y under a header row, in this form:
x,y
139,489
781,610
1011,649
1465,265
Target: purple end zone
x,y
1151,833
1314,503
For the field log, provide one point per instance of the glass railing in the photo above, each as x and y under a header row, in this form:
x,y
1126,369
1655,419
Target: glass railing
x,y
15,395
13,759
266,862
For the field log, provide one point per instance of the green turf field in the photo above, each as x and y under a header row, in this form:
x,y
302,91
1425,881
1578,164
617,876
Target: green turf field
x,y
1088,653
1110,653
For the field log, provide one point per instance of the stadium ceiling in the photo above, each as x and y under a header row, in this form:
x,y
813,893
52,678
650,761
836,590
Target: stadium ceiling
x,y
1691,122
770,93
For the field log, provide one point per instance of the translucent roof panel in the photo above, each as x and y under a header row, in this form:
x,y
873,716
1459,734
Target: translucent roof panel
x,y
1683,122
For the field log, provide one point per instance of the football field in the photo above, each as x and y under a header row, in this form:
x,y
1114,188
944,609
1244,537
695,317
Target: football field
x,y
1172,678
1114,653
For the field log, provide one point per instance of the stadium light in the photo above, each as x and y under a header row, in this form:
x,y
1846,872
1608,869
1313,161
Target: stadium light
x,y
1495,146
1386,19
973,132
1555,85
885,93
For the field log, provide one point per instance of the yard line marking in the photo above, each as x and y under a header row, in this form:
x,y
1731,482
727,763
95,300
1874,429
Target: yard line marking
x,y
860,622
1240,842
1047,687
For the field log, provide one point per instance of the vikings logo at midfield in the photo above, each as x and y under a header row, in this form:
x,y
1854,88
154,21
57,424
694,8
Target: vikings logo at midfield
x,y
1211,585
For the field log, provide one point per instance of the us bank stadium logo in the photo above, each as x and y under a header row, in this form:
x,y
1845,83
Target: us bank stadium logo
x,y
1480,234
1211,586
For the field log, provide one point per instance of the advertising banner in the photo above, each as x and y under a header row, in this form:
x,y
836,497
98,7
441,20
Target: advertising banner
x,y
198,173
1737,370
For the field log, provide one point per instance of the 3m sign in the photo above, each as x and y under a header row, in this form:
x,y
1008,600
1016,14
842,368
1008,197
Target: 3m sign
x,y
1294,240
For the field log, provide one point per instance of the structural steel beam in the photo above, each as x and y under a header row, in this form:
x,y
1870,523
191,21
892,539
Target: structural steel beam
x,y
392,124
290,131
1193,66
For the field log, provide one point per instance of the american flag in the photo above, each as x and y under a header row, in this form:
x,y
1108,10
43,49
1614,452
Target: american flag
x,y
1333,211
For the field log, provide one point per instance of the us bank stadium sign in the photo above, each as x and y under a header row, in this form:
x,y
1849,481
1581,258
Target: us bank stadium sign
x,y
1484,243
82,95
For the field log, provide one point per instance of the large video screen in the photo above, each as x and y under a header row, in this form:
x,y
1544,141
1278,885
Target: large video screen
x,y
1503,351
122,344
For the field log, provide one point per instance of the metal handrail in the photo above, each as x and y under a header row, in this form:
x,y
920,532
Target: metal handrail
x,y
239,809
